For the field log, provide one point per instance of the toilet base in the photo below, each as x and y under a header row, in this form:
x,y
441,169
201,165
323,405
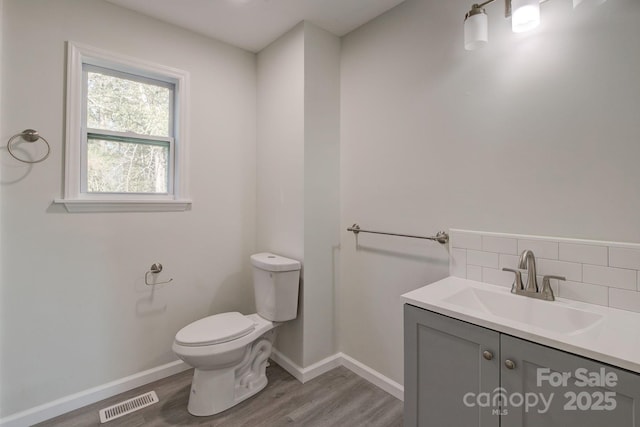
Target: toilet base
x,y
213,391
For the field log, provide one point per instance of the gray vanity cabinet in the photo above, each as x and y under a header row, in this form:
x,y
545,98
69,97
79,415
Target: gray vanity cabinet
x,y
455,372
443,361
586,399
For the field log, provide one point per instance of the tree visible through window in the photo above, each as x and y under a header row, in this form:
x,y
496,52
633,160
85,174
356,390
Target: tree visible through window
x,y
129,132
126,145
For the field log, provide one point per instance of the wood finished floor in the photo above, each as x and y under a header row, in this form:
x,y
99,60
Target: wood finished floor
x,y
336,398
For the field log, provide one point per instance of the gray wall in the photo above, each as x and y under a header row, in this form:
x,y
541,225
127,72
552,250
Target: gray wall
x,y
75,312
298,177
280,163
536,134
321,190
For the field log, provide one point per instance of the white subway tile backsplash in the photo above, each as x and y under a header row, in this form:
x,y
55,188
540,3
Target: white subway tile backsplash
x,y
584,292
603,273
483,259
508,261
497,277
570,270
503,245
624,300
624,258
586,254
465,240
607,276
474,272
458,263
541,248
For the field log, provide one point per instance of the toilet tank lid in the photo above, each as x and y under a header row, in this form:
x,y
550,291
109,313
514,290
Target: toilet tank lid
x,y
215,329
271,262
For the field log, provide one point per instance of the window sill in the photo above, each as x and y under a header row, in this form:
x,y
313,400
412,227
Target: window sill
x,y
82,206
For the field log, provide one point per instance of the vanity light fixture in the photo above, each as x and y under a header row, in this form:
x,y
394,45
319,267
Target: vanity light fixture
x,y
476,28
524,14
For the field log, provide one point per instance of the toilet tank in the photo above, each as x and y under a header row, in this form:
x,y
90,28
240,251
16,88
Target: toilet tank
x,y
276,281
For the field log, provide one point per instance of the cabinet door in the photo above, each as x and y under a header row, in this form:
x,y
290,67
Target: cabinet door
x,y
538,373
444,362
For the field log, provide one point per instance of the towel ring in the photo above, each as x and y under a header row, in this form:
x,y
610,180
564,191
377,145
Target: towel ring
x,y
28,135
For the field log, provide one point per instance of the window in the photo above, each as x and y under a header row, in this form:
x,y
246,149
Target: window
x,y
128,126
126,144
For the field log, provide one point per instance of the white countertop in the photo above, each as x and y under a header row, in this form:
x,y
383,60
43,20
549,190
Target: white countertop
x,y
614,340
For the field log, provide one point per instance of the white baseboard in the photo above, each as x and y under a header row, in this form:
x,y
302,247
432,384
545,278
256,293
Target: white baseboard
x,y
373,376
339,359
78,400
305,374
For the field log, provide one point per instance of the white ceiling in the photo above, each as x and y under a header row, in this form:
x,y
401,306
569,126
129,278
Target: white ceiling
x,y
253,24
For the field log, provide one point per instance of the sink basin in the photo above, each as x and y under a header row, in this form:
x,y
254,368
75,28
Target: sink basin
x,y
551,316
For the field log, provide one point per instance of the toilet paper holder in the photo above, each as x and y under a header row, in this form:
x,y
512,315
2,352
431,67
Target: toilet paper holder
x,y
154,269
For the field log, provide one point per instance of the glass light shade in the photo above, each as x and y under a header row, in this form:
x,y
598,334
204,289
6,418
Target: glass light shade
x,y
476,31
525,15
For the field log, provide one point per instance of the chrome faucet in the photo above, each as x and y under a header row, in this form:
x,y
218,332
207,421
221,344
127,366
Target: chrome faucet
x,y
528,261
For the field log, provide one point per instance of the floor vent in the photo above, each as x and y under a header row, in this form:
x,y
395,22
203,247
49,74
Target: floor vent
x,y
128,406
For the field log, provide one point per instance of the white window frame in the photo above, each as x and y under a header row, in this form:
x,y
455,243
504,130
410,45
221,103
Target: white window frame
x,y
76,198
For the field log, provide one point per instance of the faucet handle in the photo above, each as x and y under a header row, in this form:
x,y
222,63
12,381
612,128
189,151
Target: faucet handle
x,y
546,290
517,283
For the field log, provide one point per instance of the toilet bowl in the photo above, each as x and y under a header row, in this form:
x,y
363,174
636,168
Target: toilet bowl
x,y
229,351
227,370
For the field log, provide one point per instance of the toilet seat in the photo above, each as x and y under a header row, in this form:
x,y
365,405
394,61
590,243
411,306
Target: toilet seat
x,y
215,329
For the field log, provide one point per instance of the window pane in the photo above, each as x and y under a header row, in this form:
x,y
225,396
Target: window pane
x,y
123,105
126,167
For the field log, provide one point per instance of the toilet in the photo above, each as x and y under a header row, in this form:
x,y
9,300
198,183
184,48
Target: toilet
x,y
229,351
